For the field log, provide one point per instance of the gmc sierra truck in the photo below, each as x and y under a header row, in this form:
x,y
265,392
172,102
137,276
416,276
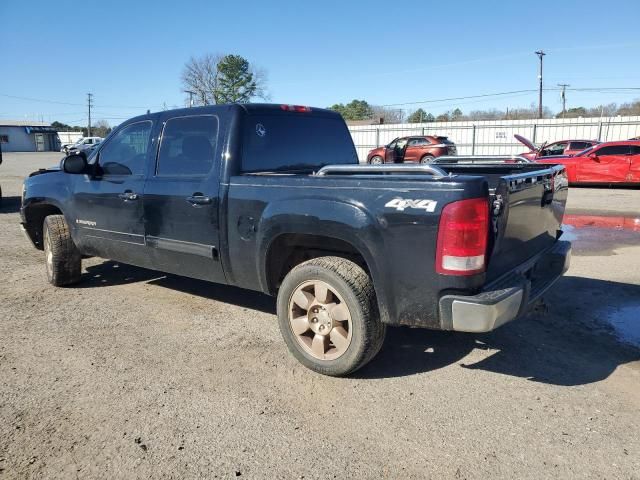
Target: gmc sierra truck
x,y
272,198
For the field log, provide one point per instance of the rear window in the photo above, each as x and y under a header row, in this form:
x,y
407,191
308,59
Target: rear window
x,y
444,140
295,142
579,145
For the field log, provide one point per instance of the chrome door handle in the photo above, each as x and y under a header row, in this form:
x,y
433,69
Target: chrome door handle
x,y
126,196
199,200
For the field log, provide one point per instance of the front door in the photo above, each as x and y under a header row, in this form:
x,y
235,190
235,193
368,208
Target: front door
x,y
107,206
401,145
605,164
181,199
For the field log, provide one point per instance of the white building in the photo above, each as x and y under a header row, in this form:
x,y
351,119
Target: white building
x,y
28,136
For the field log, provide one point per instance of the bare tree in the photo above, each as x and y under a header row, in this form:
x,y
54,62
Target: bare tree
x,y
202,76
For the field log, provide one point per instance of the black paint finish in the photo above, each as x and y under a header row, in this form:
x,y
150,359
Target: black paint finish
x,y
223,226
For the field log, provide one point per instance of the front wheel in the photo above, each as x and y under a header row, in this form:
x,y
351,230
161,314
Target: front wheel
x,y
62,258
377,160
328,315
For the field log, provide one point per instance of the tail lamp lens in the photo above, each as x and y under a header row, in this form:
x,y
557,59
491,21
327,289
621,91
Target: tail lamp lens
x,y
462,237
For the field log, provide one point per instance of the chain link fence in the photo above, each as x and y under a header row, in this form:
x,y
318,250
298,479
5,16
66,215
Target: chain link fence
x,y
496,137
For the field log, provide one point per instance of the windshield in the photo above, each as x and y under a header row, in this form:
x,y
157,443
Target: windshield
x,y
295,142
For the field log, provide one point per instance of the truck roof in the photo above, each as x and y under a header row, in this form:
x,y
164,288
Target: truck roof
x,y
247,107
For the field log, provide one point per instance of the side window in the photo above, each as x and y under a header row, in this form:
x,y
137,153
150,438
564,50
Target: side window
x,y
413,142
188,146
126,152
579,145
557,149
400,144
635,149
613,150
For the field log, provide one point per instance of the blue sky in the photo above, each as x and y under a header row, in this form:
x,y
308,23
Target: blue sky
x,y
130,54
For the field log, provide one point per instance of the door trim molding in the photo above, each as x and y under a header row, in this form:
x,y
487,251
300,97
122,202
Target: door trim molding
x,y
180,246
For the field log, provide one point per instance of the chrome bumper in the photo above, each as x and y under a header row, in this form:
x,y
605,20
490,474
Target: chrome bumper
x,y
508,297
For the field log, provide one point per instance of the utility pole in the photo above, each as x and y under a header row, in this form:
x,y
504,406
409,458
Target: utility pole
x,y
540,54
89,104
563,95
191,94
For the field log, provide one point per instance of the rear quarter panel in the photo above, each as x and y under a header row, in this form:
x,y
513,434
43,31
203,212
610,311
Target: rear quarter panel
x,y
398,245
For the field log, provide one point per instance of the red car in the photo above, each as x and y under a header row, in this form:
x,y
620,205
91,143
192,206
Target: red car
x,y
422,149
561,147
610,162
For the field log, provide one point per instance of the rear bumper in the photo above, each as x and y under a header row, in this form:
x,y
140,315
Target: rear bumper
x,y
509,296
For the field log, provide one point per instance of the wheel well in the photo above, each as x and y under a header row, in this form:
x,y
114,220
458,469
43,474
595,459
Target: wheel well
x,y
35,216
289,250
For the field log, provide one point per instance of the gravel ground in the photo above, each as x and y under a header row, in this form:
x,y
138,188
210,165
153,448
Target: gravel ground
x,y
134,374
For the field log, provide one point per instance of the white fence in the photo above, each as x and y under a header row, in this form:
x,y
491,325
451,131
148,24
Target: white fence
x,y
495,137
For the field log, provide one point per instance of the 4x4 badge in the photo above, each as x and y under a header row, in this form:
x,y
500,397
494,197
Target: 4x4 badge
x,y
401,204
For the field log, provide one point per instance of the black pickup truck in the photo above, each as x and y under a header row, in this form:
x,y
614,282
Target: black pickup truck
x,y
271,198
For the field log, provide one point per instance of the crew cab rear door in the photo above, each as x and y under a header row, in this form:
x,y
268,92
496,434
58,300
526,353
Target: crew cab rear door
x,y
181,198
605,164
107,206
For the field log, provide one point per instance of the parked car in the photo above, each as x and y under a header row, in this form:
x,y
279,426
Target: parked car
x,y
561,147
421,149
82,144
605,163
271,198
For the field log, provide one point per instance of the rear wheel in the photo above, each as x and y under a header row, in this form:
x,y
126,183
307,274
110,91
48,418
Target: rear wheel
x,y
377,160
427,159
328,315
62,258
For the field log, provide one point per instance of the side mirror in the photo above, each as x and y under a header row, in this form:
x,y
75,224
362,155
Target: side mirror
x,y
594,156
76,163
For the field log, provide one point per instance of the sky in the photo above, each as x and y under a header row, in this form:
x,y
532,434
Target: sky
x,y
130,54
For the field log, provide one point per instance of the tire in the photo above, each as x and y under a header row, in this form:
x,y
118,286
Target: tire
x,y
62,258
351,295
376,160
427,159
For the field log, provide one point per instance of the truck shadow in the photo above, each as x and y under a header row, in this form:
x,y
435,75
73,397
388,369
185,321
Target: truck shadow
x,y
559,344
562,344
9,205
111,273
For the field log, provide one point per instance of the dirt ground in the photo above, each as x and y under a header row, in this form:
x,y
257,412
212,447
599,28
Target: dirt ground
x,y
135,374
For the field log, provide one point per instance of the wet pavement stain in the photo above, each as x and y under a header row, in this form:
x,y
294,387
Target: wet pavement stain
x,y
600,234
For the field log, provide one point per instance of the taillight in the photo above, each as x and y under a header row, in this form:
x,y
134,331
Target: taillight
x,y
462,237
295,108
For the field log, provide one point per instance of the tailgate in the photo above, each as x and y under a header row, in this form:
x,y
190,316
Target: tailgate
x,y
527,210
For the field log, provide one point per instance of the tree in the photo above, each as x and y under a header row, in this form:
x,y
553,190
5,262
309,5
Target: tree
x,y
101,128
420,116
63,127
443,117
236,82
354,110
388,115
456,115
223,79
